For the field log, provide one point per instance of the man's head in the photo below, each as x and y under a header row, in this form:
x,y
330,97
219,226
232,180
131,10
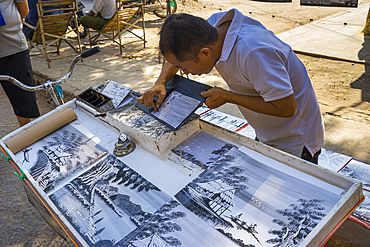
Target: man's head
x,y
185,38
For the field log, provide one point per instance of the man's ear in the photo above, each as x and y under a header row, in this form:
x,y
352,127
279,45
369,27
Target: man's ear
x,y
205,51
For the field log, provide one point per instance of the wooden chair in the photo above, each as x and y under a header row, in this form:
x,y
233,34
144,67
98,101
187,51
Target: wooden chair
x,y
53,27
128,14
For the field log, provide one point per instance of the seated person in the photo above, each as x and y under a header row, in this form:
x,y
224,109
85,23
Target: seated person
x,y
99,15
33,17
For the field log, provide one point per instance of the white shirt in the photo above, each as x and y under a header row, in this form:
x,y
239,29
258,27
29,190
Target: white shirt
x,y
255,62
12,39
107,8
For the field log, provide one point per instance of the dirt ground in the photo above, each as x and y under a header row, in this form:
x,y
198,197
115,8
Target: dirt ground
x,y
343,90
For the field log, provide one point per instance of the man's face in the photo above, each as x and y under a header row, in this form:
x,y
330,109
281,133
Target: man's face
x,y
203,66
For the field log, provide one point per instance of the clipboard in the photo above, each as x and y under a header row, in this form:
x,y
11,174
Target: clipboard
x,y
182,100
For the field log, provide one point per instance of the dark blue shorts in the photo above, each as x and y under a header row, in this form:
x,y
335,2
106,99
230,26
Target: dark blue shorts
x,y
19,66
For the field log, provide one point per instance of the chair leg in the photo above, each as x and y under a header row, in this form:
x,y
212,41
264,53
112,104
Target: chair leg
x,y
58,46
88,31
45,53
142,19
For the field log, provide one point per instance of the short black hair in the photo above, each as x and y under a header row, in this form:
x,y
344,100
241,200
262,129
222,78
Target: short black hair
x,y
184,35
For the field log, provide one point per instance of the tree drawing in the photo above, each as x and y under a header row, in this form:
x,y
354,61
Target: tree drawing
x,y
99,181
159,225
212,193
301,219
363,211
228,171
220,152
242,225
59,157
190,157
126,176
240,242
358,172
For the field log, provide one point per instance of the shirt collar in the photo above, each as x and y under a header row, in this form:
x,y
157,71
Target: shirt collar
x,y
232,33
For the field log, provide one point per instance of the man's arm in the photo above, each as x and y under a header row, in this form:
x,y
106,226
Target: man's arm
x,y
22,8
285,107
158,90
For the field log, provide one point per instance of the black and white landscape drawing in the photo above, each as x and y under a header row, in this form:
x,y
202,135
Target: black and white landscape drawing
x,y
117,92
140,121
254,204
59,155
332,160
176,108
202,148
108,201
331,3
362,212
358,170
221,119
174,226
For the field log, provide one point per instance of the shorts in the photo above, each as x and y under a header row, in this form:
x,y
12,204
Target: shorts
x,y
19,66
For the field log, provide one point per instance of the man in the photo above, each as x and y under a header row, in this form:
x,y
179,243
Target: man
x,y
15,60
99,15
33,17
266,79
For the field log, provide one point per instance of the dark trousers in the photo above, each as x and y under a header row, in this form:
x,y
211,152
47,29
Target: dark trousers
x,y
19,66
306,155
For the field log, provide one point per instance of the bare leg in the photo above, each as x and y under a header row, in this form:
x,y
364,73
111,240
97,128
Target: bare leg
x,y
23,121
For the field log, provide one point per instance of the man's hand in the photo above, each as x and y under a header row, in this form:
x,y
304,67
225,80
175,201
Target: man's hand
x,y
285,107
159,91
215,97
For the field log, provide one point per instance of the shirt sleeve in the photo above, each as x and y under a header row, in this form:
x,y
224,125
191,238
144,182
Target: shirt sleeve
x,y
97,6
267,71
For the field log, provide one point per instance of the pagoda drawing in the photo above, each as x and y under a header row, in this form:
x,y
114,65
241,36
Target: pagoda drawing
x,y
215,196
51,161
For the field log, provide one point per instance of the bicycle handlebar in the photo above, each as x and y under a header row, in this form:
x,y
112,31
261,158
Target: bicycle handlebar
x,y
90,52
49,84
77,58
21,85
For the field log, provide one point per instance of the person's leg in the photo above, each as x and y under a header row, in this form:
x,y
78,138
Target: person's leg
x,y
24,103
23,121
95,22
306,155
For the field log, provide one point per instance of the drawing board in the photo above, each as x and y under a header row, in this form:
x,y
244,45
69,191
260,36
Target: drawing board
x,y
108,195
358,170
181,101
259,204
240,198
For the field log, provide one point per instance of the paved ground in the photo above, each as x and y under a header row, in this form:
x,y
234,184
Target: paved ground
x,y
21,224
